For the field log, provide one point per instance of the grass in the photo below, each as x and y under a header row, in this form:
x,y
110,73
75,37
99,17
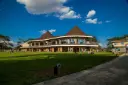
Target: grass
x,y
26,68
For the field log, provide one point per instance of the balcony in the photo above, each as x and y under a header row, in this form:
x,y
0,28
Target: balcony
x,y
65,44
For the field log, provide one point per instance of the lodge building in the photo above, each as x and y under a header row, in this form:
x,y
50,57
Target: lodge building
x,y
120,45
74,40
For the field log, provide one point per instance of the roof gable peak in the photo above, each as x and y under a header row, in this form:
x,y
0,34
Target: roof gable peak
x,y
75,31
46,35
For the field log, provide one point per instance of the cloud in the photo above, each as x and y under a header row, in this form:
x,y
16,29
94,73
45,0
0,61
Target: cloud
x,y
43,31
70,15
55,7
107,21
91,13
91,21
100,22
51,31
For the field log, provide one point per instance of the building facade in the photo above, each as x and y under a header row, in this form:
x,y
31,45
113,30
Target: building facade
x,y
120,45
74,41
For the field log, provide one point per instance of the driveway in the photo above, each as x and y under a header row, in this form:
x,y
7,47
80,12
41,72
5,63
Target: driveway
x,y
112,73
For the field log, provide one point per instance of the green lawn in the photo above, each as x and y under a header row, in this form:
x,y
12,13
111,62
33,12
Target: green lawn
x,y
26,68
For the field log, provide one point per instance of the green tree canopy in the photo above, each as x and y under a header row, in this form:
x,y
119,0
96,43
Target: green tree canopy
x,y
5,42
118,38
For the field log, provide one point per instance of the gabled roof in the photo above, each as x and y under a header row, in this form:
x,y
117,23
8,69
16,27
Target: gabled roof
x,y
75,31
46,35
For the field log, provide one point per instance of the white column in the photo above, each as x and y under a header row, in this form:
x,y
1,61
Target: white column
x,y
56,42
79,49
39,43
31,43
39,50
68,49
34,43
47,42
59,41
84,41
68,41
74,41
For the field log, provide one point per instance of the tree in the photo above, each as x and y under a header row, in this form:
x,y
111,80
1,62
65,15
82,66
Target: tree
x,y
109,46
5,42
21,41
94,39
118,38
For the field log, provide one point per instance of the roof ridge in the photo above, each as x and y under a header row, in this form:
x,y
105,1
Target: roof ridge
x,y
75,31
46,35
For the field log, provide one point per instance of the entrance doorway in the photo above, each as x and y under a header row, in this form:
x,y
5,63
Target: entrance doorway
x,y
88,48
76,49
55,49
65,49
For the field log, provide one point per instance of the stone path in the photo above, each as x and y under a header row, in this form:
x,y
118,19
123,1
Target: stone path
x,y
112,73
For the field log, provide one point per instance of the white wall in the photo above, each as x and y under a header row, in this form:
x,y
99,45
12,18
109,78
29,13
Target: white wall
x,y
25,45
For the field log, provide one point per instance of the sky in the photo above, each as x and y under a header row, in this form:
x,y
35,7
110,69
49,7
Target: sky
x,y
31,18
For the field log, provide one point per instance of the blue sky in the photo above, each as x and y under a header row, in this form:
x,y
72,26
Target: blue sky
x,y
29,18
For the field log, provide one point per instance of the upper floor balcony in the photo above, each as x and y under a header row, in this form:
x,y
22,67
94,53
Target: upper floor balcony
x,y
62,42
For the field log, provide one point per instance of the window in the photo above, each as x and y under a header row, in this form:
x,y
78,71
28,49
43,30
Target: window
x,y
37,44
117,49
32,44
114,43
72,41
122,43
63,42
53,42
41,43
80,41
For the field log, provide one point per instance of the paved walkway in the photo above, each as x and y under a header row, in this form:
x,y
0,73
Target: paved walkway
x,y
111,73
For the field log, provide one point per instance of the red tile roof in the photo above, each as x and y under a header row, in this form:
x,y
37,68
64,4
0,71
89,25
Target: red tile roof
x,y
46,35
75,31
